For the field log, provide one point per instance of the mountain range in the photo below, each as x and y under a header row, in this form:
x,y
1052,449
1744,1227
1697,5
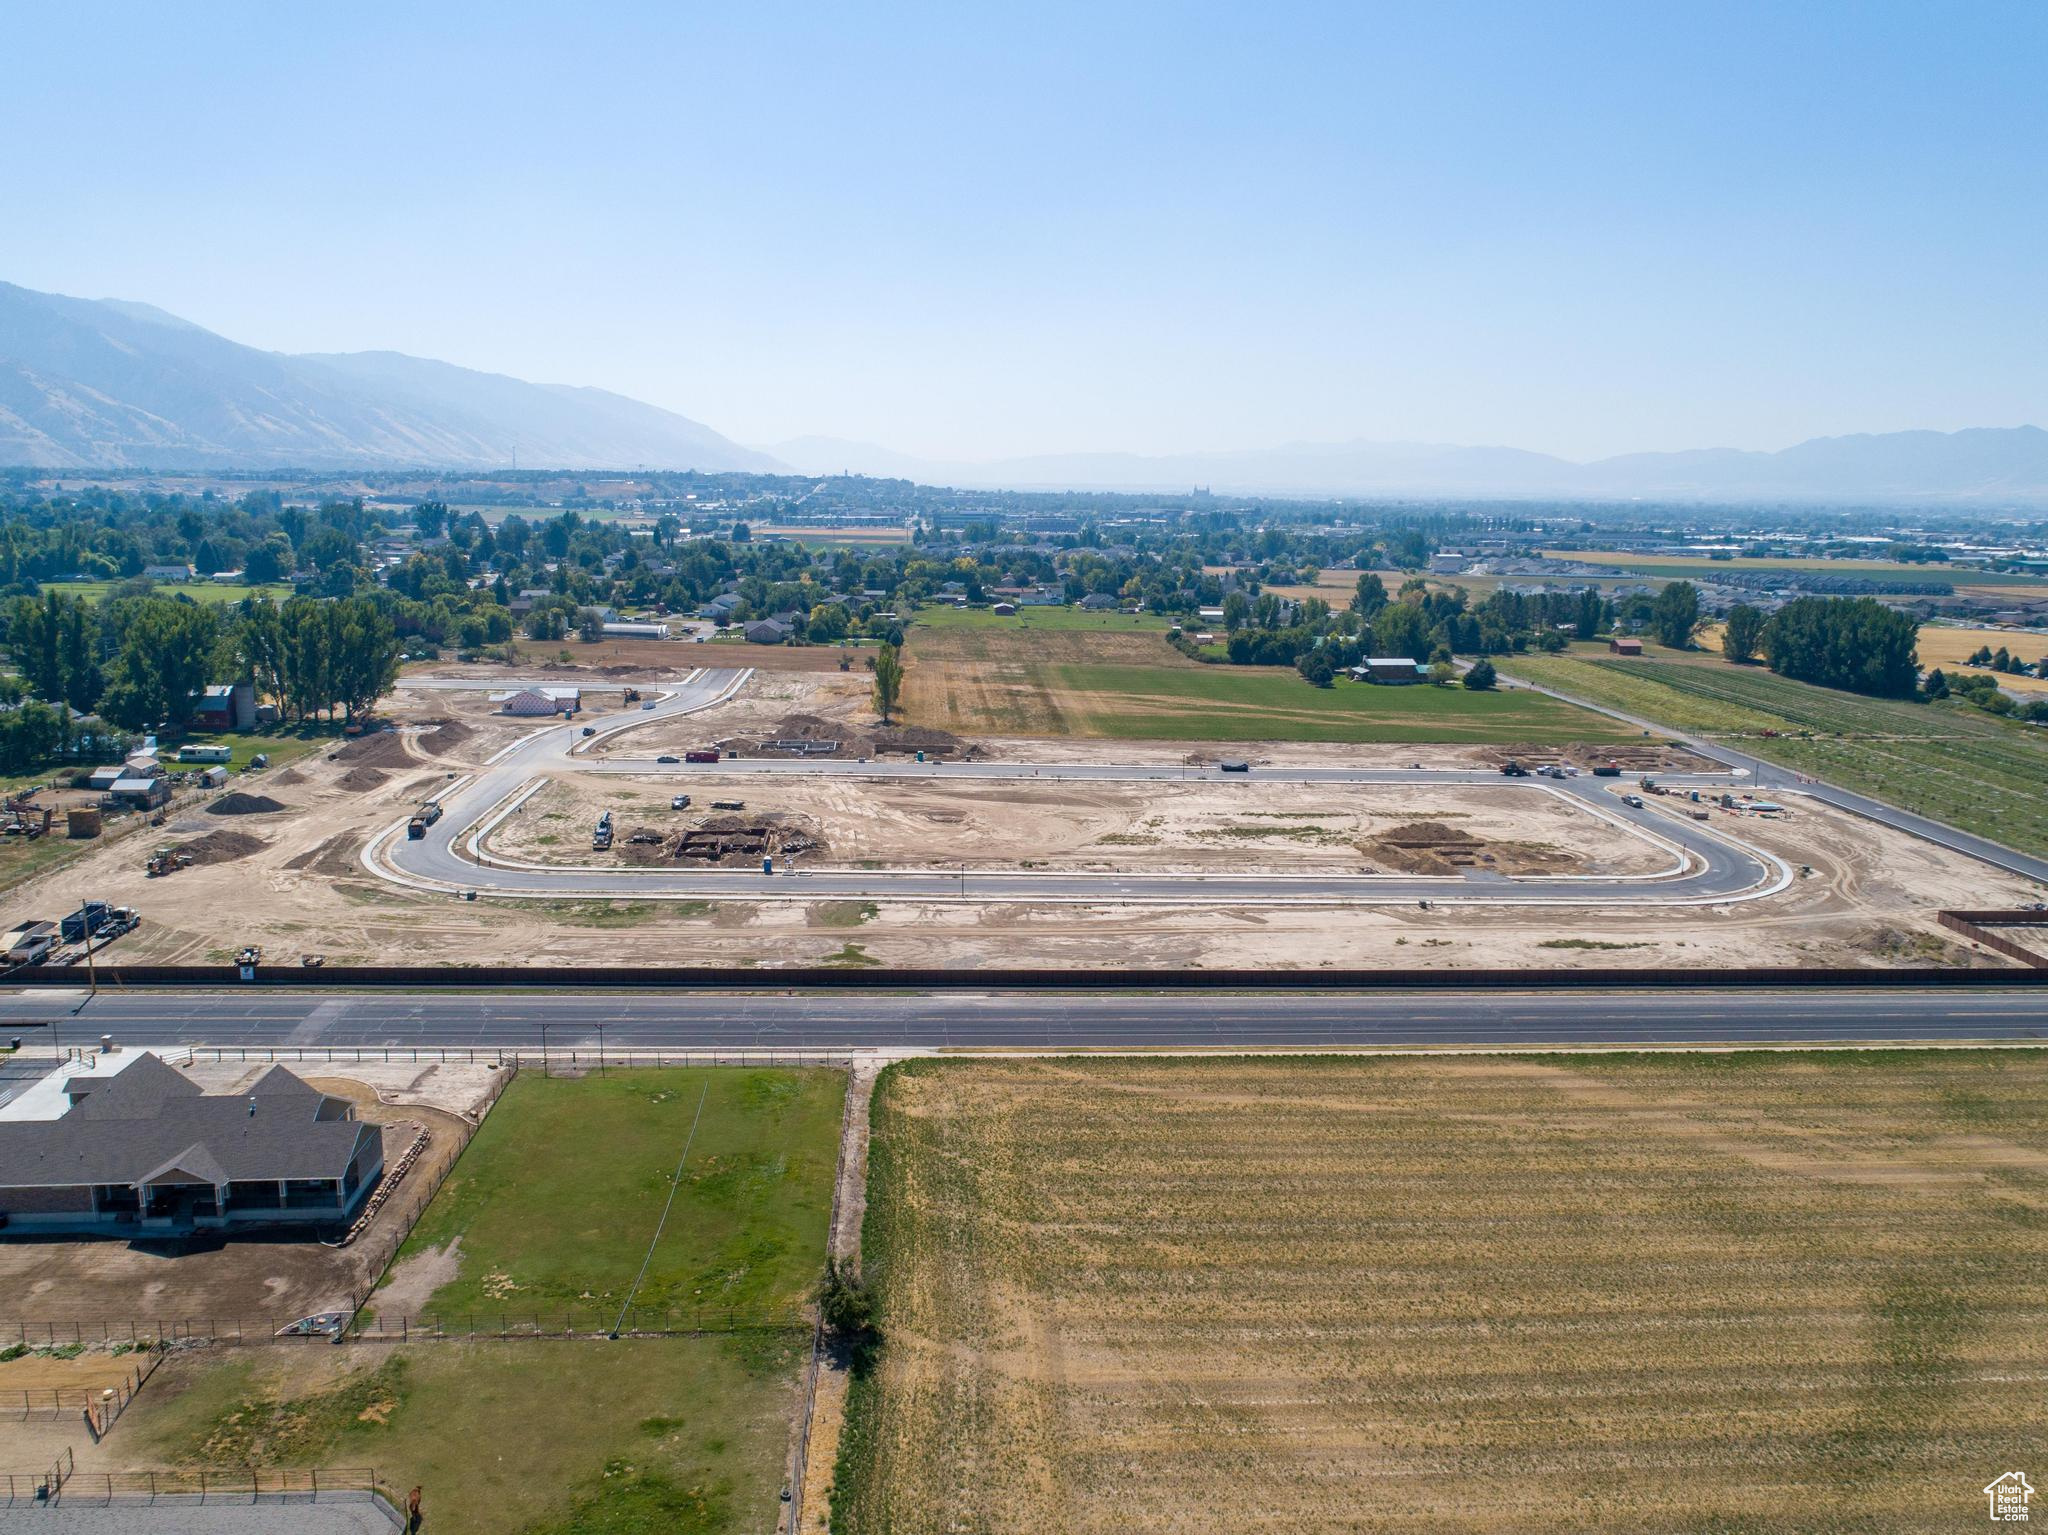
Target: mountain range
x,y
107,384
110,384
1991,465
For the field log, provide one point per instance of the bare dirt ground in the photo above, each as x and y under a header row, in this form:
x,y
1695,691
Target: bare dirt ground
x,y
104,1286
1241,827
1869,900
1617,1294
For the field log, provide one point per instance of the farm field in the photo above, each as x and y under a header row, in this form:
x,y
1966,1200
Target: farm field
x,y
545,1438
208,592
1596,1292
1940,645
1678,567
555,1202
1029,620
1950,761
977,680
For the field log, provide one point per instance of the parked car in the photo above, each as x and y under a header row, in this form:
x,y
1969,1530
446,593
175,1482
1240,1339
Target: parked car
x,y
665,757
680,802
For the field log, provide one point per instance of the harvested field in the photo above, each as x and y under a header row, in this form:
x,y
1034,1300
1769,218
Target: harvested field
x,y
1730,1292
238,802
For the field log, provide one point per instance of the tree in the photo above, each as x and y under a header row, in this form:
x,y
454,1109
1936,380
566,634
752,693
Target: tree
x,y
1237,610
888,681
741,533
165,656
1742,633
1443,673
845,1304
1854,643
1591,614
1402,629
1675,615
1481,676
1937,684
1370,596
1552,641
828,623
1317,667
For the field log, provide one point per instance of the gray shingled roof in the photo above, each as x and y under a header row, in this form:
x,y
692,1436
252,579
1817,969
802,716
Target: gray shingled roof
x,y
149,1119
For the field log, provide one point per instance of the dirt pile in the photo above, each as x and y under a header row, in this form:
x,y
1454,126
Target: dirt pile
x,y
853,740
444,735
361,780
380,748
1431,847
724,841
223,847
287,778
240,803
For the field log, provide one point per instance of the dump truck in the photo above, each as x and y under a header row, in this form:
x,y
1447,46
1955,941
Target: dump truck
x,y
704,754
601,837
30,943
88,919
422,818
1607,770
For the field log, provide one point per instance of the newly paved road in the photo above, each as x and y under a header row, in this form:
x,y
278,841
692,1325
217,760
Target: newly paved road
x,y
1770,777
1698,864
812,1020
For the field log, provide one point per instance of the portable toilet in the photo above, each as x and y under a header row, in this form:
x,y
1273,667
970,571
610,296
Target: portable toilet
x,y
768,866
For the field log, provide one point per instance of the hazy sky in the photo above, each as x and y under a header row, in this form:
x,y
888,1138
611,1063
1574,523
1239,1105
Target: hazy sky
x,y
978,230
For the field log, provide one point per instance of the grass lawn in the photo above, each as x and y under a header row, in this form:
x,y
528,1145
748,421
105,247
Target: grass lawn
x,y
285,744
1950,761
555,1201
208,592
683,1435
1604,1293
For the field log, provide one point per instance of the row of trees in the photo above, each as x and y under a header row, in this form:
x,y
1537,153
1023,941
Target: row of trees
x,y
140,662
1853,643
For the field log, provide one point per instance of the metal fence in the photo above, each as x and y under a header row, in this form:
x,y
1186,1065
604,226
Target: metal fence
x,y
240,1485
369,1325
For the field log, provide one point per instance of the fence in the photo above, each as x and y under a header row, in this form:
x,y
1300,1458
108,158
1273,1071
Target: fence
x,y
1976,926
814,977
507,1057
40,1486
307,1485
369,1325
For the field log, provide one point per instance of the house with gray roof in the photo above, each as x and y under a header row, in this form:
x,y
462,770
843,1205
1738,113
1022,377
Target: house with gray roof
x,y
142,1151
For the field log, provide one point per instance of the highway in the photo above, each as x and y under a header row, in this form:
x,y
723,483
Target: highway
x,y
1703,864
1002,1020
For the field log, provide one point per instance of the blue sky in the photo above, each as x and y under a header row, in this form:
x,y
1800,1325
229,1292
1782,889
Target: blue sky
x,y
976,231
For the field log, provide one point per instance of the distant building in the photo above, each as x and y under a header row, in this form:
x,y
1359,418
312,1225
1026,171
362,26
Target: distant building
x,y
167,572
225,706
1098,602
1388,669
129,1145
1004,609
1623,645
768,631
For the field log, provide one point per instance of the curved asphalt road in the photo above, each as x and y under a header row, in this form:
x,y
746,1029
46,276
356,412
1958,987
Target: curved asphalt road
x,y
1704,866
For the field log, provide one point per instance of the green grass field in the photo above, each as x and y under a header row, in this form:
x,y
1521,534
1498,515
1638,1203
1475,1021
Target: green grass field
x,y
683,1435
1950,760
556,1200
1024,620
981,675
208,592
1247,703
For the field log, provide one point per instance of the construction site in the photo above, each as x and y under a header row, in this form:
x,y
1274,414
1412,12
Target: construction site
x,y
276,860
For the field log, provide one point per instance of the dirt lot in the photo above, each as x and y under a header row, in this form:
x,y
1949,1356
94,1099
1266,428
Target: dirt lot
x,y
109,1284
1680,1292
1208,827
